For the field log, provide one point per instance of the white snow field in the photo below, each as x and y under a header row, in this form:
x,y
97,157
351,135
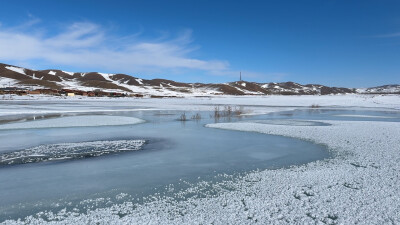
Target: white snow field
x,y
74,121
254,104
360,184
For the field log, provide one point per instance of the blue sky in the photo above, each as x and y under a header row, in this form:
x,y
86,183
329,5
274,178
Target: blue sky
x,y
336,43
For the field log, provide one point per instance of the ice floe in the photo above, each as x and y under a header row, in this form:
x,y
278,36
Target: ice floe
x,y
66,151
73,121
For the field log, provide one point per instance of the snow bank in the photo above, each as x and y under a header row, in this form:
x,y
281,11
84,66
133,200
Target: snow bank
x,y
73,121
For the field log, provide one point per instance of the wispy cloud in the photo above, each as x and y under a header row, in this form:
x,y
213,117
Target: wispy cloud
x,y
87,44
391,35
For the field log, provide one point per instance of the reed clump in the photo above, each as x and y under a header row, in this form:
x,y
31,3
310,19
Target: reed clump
x,y
315,106
227,111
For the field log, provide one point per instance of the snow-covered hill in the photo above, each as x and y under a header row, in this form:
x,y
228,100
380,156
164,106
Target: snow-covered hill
x,y
13,76
385,89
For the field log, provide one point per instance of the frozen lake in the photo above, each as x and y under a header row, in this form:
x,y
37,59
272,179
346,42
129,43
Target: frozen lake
x,y
175,154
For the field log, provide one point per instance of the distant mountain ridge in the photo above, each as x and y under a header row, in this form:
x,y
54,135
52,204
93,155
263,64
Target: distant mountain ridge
x,y
57,79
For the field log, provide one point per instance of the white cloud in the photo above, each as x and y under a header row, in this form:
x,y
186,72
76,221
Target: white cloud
x,y
86,46
89,45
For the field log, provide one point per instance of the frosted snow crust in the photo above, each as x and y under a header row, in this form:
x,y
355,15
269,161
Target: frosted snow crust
x,y
291,122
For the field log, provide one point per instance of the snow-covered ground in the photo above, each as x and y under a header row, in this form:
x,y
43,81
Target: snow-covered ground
x,y
360,184
6,82
253,104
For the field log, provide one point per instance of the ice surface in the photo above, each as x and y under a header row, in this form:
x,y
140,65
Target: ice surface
x,y
181,153
254,105
73,121
359,185
189,103
69,151
365,116
52,72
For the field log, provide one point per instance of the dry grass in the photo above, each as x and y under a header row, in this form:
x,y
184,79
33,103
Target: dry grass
x,y
182,117
196,116
315,106
228,111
